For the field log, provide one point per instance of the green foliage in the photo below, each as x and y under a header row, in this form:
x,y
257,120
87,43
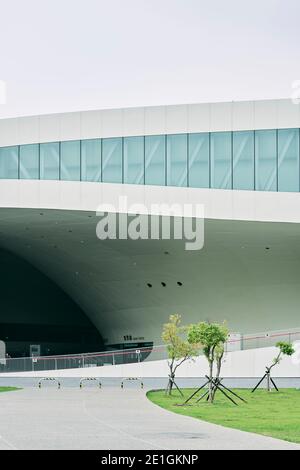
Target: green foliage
x,y
179,349
210,337
9,389
219,351
285,348
173,336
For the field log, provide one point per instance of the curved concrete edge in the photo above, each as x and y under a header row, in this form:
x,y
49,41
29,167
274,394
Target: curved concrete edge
x,y
223,204
111,419
241,440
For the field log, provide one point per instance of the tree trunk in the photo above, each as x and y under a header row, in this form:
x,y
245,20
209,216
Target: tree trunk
x,y
170,383
210,385
276,361
170,386
268,382
219,365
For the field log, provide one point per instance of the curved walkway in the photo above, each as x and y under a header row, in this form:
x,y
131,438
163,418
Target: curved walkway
x,y
110,419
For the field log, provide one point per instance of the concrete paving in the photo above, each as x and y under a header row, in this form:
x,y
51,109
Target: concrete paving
x,y
110,418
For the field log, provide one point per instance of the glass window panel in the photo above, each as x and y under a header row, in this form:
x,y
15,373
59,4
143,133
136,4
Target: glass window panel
x,y
243,160
70,161
112,160
199,160
9,167
29,162
265,160
288,160
221,172
49,161
177,160
155,160
91,160
134,160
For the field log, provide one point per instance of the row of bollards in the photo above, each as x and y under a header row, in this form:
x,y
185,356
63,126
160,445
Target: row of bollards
x,y
51,379
85,379
130,379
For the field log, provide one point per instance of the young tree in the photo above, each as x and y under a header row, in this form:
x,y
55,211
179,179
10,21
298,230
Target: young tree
x,y
179,349
285,349
211,338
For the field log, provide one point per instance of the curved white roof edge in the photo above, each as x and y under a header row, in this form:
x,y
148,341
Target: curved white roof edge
x,y
221,204
171,119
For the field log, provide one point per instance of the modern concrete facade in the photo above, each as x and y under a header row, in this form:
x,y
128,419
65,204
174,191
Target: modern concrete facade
x,y
239,160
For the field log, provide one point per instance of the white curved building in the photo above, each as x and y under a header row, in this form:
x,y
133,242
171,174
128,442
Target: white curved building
x,y
67,290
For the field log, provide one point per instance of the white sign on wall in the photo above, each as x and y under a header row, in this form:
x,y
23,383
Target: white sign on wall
x,y
2,352
234,342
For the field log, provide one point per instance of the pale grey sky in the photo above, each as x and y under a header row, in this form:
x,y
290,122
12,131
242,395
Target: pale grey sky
x,y
66,55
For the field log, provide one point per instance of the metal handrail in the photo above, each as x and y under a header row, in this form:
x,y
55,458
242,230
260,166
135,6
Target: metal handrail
x,y
40,363
161,347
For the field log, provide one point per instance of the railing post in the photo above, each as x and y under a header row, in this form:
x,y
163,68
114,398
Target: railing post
x,y
113,359
82,361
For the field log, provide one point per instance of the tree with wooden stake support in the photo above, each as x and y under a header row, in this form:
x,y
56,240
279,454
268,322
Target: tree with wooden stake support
x,y
285,349
211,338
179,349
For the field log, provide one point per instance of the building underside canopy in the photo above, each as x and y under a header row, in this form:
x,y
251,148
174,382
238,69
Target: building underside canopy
x,y
248,273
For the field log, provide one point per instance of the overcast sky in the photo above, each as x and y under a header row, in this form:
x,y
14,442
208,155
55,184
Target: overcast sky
x,y
66,55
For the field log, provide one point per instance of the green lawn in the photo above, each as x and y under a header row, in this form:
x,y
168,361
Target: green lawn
x,y
8,389
271,414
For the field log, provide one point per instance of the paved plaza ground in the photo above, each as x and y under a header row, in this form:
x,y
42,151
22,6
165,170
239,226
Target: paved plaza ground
x,y
109,418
